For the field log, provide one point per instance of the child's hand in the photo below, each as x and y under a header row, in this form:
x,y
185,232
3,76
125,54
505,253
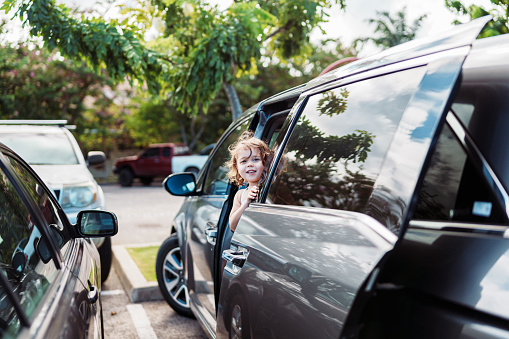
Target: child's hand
x,y
252,193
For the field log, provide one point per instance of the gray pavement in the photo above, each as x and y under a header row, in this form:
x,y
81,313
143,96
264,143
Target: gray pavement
x,y
118,312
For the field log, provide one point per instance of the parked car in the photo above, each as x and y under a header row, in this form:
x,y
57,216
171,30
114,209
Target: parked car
x,y
385,212
53,152
158,160
50,279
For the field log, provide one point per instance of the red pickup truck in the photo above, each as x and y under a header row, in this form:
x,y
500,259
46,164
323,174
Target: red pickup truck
x,y
158,160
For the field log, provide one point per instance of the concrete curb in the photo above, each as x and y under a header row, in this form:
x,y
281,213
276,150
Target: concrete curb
x,y
136,286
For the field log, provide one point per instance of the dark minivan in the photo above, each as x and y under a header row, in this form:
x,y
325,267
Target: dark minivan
x,y
385,212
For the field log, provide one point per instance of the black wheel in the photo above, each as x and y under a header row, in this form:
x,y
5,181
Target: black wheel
x,y
125,177
106,257
193,170
146,180
239,326
170,276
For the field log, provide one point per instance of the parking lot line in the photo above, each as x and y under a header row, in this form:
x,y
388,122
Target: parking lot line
x,y
141,321
112,292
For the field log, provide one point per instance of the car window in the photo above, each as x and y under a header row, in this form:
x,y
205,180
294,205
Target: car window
x,y
43,201
217,176
454,190
151,153
41,149
24,256
166,152
335,151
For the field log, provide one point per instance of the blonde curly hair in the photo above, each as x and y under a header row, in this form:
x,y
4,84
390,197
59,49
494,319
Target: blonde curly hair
x,y
247,140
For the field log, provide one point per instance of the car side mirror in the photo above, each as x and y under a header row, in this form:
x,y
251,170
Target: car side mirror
x,y
96,158
94,223
180,184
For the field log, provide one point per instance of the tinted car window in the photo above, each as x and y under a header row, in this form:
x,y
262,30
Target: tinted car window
x,y
337,147
43,201
482,105
20,259
454,190
151,152
166,152
217,178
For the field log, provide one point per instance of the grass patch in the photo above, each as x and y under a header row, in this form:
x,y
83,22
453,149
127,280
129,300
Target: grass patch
x,y
145,259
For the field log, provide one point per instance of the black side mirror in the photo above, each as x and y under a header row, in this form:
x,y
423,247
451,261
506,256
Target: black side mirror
x,y
180,184
94,223
96,158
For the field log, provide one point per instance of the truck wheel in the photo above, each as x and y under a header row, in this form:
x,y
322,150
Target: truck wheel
x,y
193,170
146,180
170,276
105,255
125,177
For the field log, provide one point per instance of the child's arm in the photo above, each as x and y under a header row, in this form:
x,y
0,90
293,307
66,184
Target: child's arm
x,y
239,208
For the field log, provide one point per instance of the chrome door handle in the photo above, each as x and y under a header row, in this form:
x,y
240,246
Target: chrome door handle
x,y
211,233
237,258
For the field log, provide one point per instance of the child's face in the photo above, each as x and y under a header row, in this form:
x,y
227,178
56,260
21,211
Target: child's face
x,y
250,165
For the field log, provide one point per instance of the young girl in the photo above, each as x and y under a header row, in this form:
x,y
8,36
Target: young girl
x,y
247,164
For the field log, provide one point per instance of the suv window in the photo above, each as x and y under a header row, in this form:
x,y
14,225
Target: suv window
x,y
337,147
454,190
217,176
20,260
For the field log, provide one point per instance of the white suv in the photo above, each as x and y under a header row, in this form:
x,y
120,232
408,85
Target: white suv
x,y
52,151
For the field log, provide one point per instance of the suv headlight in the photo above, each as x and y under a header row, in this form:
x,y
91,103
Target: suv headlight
x,y
79,195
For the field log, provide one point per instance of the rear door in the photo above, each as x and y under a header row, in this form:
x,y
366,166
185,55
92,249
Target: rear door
x,y
448,275
299,259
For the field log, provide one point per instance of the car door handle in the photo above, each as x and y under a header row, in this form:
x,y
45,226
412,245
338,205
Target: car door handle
x,y
237,258
211,233
92,294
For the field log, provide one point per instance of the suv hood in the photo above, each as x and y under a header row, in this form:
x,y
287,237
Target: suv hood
x,y
54,175
129,158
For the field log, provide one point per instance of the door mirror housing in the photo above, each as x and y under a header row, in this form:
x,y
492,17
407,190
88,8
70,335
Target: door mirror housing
x,y
94,223
96,158
180,184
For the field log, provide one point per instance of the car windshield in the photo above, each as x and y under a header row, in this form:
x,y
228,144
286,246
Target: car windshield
x,y
41,149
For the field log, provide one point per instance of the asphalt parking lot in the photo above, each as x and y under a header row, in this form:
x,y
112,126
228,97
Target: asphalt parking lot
x,y
144,215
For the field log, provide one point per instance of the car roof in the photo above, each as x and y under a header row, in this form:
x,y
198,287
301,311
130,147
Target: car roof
x,y
32,129
458,36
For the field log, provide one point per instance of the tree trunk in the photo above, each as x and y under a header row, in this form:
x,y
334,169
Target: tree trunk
x,y
234,100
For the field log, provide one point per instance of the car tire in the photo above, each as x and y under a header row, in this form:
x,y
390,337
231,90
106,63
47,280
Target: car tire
x,y
170,276
105,254
238,325
193,170
146,181
125,177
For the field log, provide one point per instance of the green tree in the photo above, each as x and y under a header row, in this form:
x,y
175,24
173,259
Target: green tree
x,y
392,30
202,50
36,84
500,14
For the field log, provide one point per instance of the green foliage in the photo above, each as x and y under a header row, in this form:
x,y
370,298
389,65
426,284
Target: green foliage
x,y
113,46
392,30
499,12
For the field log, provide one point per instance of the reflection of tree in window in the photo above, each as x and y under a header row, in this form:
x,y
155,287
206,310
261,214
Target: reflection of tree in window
x,y
311,173
330,104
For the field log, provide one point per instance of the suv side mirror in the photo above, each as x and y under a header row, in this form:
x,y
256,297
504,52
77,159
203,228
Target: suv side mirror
x,y
94,223
180,184
96,158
